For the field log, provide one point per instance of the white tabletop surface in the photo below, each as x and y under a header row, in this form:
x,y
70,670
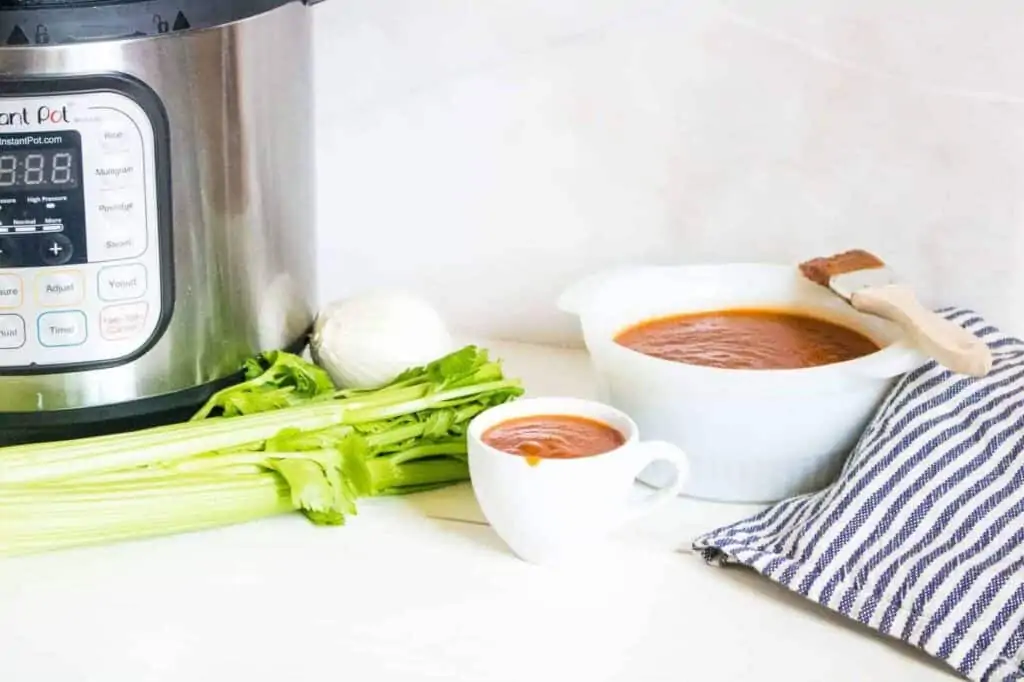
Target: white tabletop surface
x,y
419,588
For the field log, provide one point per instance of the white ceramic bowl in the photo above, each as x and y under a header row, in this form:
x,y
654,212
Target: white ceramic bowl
x,y
751,435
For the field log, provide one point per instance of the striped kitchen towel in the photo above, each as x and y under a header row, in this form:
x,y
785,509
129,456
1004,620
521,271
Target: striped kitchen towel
x,y
922,535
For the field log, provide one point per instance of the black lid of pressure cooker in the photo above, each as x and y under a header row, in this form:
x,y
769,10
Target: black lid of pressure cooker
x,y
27,23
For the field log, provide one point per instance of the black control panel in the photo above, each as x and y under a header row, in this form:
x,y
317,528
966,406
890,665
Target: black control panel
x,y
42,199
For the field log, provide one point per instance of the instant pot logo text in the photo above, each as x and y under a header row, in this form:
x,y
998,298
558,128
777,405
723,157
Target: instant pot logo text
x,y
38,116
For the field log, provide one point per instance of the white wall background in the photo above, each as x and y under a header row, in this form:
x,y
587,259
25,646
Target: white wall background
x,y
487,152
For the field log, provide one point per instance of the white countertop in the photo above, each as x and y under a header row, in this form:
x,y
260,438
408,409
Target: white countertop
x,y
419,588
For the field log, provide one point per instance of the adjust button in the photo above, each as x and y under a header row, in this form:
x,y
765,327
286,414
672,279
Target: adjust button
x,y
122,282
118,322
11,291
66,328
56,249
12,332
62,288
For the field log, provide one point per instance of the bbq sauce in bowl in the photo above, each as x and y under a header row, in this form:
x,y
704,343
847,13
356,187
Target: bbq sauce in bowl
x,y
553,436
747,339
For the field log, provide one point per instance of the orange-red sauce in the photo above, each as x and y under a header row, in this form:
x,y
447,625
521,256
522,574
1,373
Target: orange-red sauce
x,y
553,437
747,339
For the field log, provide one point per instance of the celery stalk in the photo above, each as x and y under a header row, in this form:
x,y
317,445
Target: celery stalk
x,y
285,440
47,518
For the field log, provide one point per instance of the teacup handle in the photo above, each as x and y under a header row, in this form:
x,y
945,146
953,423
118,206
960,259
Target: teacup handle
x,y
658,451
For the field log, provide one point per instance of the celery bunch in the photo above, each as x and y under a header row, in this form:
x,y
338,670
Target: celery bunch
x,y
283,440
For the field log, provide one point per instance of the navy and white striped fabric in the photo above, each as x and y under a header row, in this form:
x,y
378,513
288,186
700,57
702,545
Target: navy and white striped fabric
x,y
922,535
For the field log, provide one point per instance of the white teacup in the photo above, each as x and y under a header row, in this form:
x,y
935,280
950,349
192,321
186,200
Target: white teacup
x,y
549,509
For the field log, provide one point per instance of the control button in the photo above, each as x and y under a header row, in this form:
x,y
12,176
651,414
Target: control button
x,y
66,328
116,172
10,253
121,209
11,291
12,332
66,287
122,282
119,244
118,322
56,249
116,136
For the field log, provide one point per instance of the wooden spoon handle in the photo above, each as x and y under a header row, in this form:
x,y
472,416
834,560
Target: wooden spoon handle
x,y
947,342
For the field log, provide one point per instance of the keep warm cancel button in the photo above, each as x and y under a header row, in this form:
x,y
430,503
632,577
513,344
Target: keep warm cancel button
x,y
118,322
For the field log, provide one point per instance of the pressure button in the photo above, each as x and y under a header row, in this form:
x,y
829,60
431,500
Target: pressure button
x,y
11,293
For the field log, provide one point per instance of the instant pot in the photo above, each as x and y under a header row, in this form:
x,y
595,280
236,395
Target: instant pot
x,y
156,204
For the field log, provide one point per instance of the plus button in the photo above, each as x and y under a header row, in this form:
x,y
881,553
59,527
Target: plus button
x,y
56,250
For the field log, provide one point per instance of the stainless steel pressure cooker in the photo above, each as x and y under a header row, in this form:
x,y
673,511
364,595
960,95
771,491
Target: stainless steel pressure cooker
x,y
156,204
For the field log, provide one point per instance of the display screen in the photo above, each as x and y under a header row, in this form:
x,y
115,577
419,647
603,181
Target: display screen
x,y
41,169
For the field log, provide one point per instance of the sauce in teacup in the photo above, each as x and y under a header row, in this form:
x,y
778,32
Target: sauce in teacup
x,y
551,436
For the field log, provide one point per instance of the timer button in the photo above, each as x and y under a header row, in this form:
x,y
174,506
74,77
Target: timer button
x,y
12,332
66,328
60,288
10,253
56,249
11,292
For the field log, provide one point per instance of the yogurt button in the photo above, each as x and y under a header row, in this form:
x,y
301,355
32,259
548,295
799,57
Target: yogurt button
x,y
122,282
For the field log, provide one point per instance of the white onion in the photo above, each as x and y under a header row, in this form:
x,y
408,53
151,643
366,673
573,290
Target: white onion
x,y
367,340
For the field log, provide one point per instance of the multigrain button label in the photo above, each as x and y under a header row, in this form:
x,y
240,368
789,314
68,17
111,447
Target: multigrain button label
x,y
116,172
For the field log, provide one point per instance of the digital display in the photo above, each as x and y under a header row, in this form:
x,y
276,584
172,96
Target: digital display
x,y
41,169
